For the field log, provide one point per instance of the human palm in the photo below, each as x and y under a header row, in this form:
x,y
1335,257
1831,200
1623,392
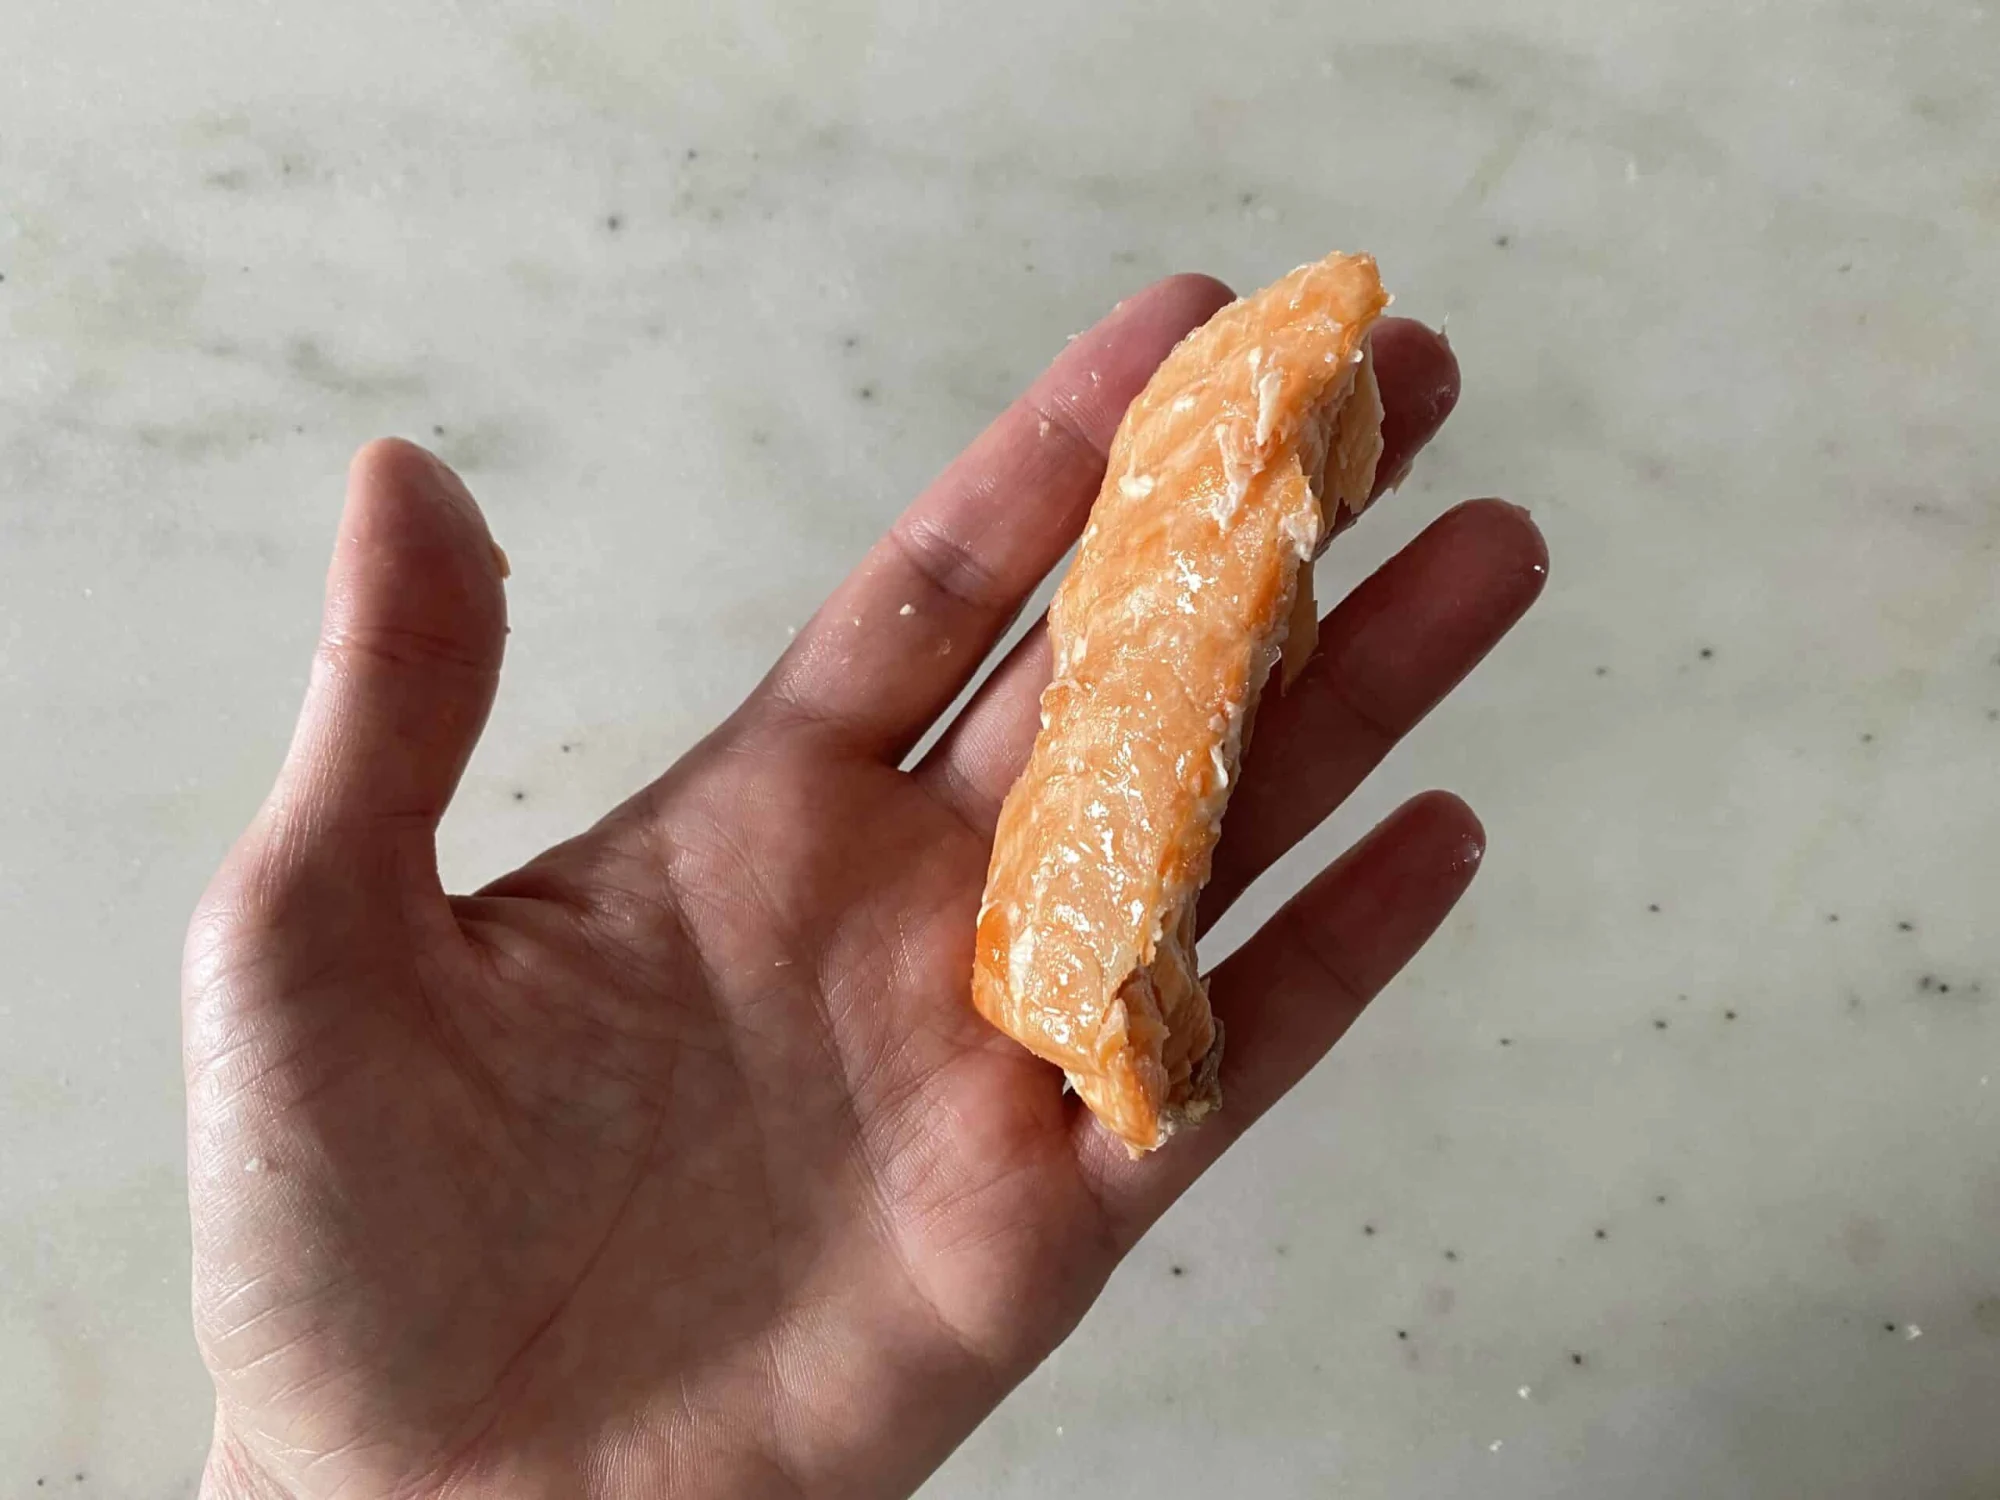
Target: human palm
x,y
677,1162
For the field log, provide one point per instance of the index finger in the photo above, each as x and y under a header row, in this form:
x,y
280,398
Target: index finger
x,y
890,650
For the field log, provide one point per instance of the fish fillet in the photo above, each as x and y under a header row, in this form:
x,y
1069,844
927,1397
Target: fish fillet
x,y
1192,582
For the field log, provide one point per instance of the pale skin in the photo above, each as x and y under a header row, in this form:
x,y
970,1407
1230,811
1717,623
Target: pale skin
x,y
677,1162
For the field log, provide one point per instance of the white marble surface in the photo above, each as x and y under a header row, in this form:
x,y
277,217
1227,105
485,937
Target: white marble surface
x,y
1722,278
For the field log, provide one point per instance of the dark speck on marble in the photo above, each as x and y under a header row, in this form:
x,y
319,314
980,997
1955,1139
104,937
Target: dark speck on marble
x,y
1603,1234
1577,1360
690,154
614,222
851,341
1832,917
1604,671
866,393
520,796
437,429
1659,1024
1906,926
1708,653
1502,240
1451,1255
1506,1041
1653,906
567,748
1729,1015
1178,1270
1368,1229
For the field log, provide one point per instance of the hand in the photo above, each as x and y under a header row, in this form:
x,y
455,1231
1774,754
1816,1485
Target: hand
x,y
677,1162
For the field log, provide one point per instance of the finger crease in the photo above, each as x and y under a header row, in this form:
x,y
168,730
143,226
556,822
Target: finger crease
x,y
1059,419
1306,937
948,565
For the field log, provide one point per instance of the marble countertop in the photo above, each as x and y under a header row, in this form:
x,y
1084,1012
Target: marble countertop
x,y
1672,1169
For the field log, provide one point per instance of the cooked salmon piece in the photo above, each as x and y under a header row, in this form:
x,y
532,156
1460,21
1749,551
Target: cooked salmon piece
x,y
1192,582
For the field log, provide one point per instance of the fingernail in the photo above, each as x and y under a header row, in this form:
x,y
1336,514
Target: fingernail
x,y
452,488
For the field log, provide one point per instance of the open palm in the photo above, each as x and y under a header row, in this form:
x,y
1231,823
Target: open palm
x,y
677,1161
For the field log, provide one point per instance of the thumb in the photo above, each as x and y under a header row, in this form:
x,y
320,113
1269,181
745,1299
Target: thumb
x,y
408,661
